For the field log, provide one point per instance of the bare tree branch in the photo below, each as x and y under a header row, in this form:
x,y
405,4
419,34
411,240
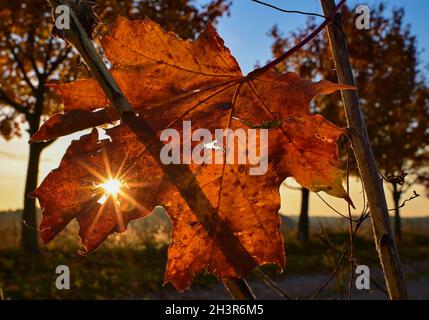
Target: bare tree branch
x,y
20,64
9,101
414,196
61,57
30,57
48,55
272,285
332,247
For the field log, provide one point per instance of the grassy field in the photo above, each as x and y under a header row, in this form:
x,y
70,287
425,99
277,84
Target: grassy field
x,y
127,272
132,265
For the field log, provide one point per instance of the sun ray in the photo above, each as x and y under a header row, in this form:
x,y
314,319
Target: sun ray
x,y
135,203
118,212
107,164
138,184
97,217
112,186
119,173
91,170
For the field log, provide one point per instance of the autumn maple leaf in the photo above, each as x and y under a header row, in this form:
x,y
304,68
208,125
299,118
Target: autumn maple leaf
x,y
224,219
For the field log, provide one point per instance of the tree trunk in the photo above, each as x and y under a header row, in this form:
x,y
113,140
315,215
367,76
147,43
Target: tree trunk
x,y
303,223
29,233
396,199
30,227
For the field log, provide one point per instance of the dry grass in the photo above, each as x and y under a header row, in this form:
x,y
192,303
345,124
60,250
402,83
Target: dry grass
x,y
154,229
132,265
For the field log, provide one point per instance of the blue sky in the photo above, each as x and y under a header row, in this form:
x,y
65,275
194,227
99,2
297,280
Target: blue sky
x,y
245,33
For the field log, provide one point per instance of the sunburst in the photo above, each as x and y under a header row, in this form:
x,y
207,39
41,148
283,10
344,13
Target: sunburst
x,y
112,186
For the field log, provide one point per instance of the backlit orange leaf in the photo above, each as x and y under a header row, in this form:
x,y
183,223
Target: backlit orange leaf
x,y
224,219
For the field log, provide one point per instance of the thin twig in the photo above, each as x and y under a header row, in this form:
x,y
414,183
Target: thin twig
x,y
333,273
306,40
271,284
350,226
355,262
343,254
335,210
299,12
294,11
364,202
414,196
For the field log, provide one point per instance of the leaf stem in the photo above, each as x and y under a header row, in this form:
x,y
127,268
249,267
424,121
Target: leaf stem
x,y
239,289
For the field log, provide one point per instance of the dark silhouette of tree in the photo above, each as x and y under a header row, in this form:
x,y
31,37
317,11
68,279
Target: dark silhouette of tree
x,y
30,58
304,221
392,90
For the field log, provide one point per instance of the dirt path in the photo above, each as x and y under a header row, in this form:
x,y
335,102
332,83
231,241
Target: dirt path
x,y
303,286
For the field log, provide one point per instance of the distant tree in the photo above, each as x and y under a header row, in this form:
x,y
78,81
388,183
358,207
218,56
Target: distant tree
x,y
183,17
393,92
30,57
304,221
